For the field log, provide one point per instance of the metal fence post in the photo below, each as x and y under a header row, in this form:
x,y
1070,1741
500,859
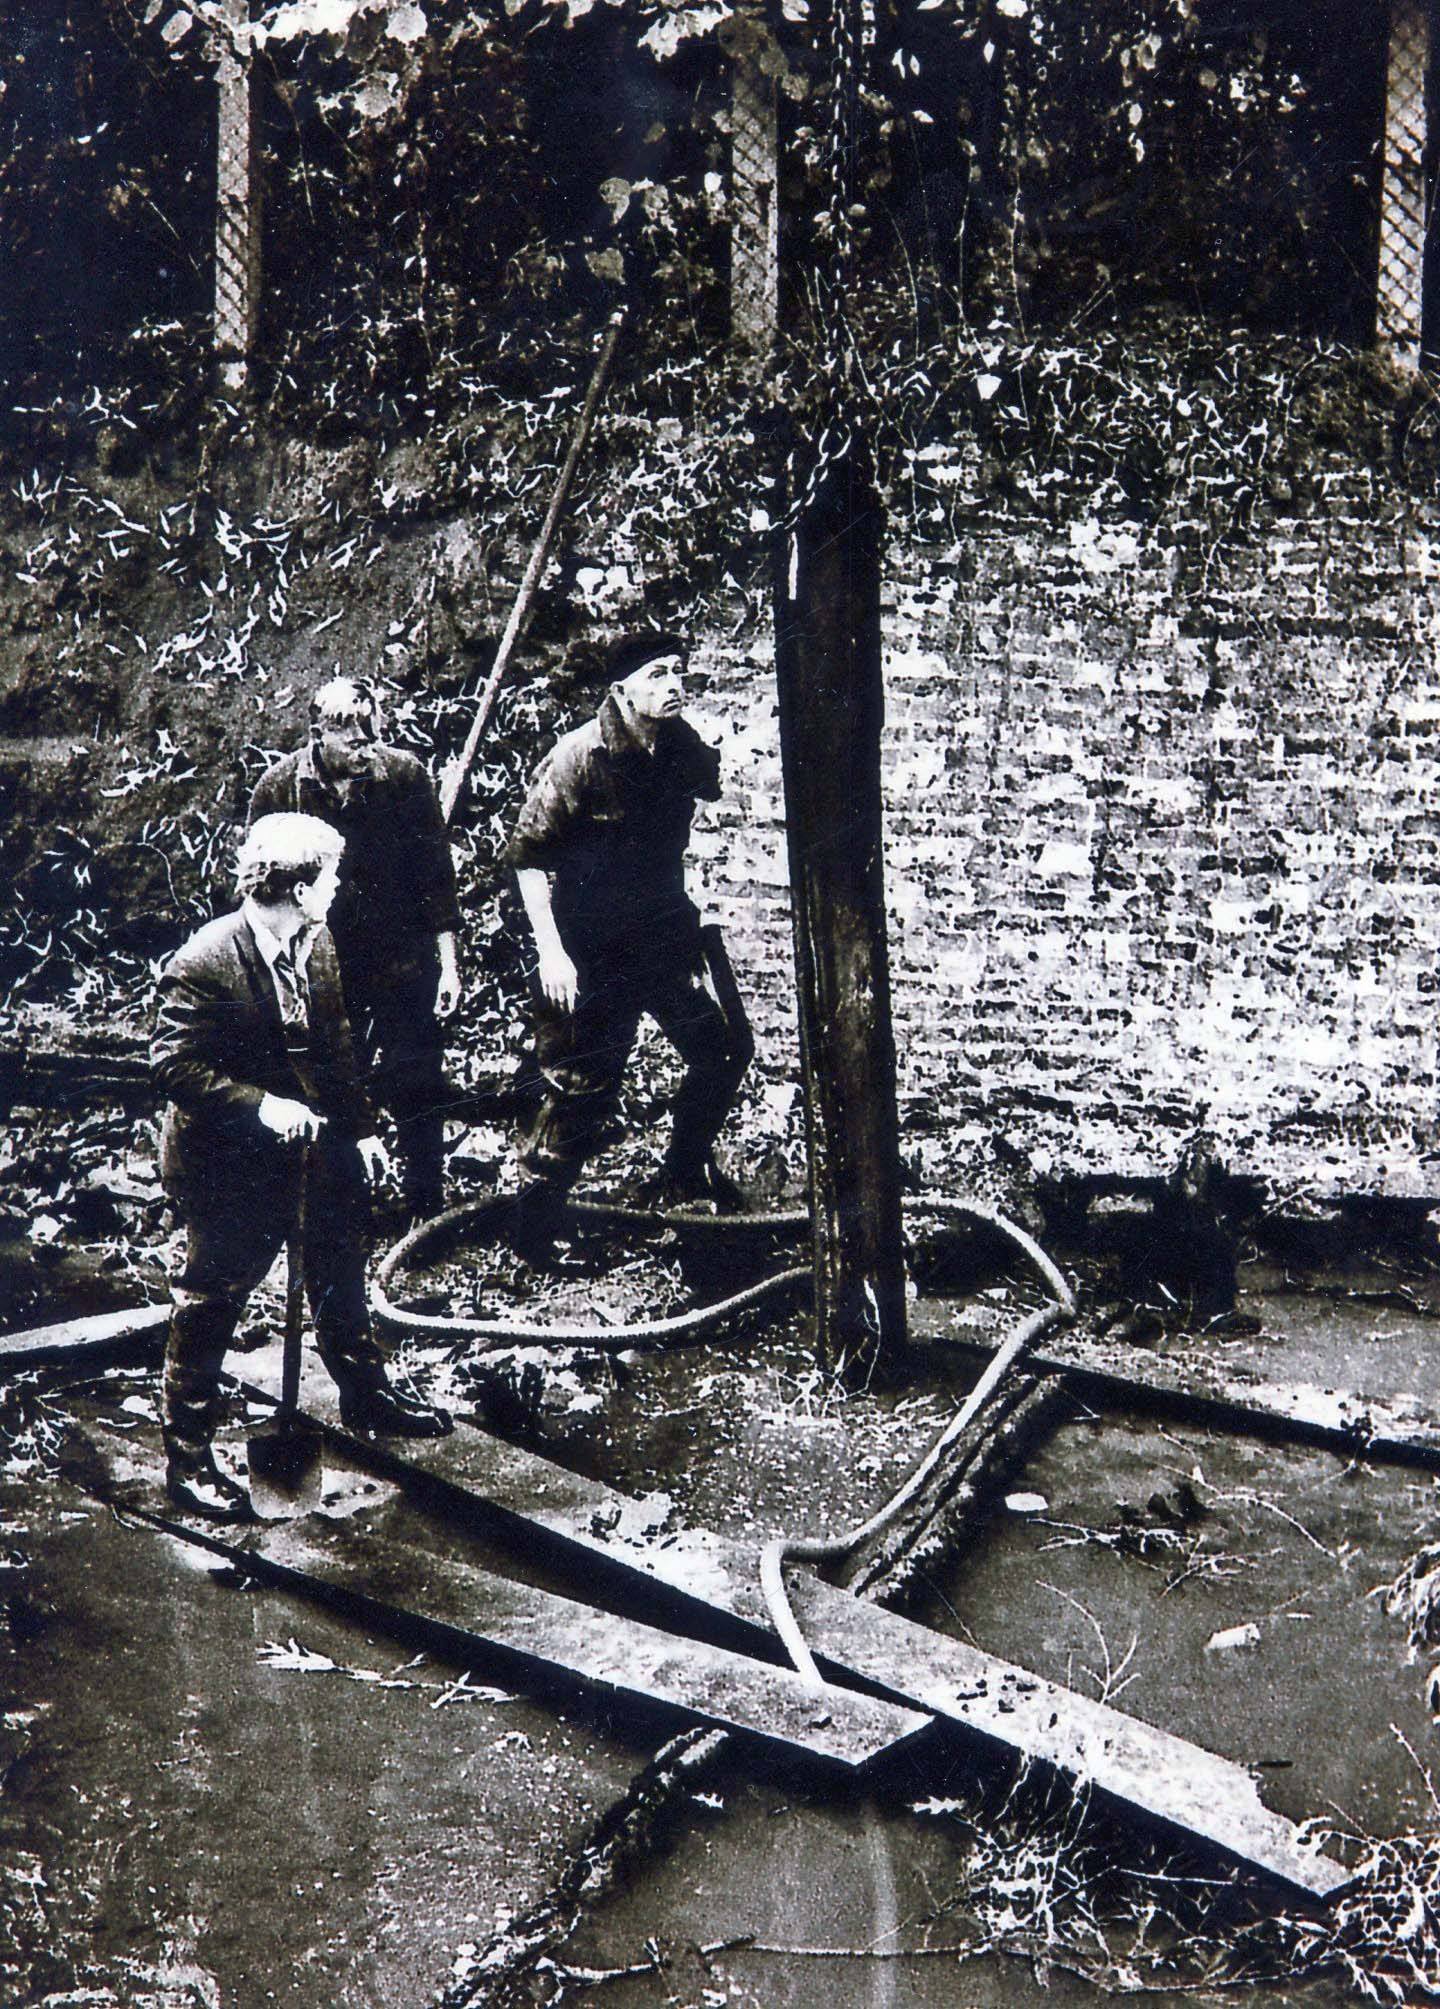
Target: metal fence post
x,y
754,200
1404,194
237,198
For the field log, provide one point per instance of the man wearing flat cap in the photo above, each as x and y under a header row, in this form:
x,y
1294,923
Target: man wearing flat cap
x,y
395,914
253,1054
599,857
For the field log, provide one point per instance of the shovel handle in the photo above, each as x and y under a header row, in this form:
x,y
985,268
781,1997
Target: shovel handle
x,y
295,1289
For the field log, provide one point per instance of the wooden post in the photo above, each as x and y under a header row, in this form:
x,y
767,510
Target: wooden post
x,y
1400,318
237,198
832,704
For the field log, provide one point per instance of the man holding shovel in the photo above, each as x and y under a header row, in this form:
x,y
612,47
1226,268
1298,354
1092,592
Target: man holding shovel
x,y
253,1051
395,917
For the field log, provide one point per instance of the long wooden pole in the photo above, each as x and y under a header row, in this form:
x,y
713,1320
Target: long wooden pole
x,y
459,768
832,703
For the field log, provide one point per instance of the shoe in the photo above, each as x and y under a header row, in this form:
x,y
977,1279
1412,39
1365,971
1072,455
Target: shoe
x,y
535,1221
387,1411
416,1208
687,1192
208,1492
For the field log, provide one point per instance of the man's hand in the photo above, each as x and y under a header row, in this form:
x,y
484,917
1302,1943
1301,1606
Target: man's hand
x,y
559,978
447,993
289,1119
375,1158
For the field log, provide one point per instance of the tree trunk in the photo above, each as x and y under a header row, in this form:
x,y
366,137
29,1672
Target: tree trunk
x,y
828,663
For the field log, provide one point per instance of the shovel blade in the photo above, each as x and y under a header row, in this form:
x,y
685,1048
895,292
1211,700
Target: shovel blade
x,y
286,1470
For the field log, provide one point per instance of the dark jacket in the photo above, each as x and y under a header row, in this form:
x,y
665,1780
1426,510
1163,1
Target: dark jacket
x,y
610,820
221,1046
397,878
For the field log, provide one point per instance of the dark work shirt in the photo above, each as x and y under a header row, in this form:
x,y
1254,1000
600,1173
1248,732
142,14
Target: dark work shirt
x,y
397,878
609,820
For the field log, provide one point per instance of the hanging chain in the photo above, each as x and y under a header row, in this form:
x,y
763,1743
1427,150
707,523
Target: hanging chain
x,y
852,35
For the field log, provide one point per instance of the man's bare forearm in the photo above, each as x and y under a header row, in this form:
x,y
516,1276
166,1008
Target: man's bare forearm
x,y
559,979
535,895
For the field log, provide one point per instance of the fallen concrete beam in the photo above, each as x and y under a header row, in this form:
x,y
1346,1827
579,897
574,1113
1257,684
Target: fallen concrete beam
x,y
50,1063
101,1334
529,1639
1222,1394
709,1586
83,1074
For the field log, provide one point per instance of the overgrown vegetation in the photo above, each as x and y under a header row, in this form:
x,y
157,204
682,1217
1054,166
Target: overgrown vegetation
x,y
176,592
437,171
1049,323
1043,1882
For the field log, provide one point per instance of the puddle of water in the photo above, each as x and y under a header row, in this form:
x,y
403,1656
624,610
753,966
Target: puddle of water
x,y
307,1837
300,1837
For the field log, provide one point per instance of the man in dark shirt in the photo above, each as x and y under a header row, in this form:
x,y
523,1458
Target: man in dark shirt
x,y
253,1054
599,856
394,917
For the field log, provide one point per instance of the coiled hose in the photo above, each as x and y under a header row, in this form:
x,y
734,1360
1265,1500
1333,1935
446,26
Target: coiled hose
x,y
777,1553
576,1332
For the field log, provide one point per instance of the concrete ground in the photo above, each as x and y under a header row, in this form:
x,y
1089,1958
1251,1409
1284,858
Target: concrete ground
x,y
216,1795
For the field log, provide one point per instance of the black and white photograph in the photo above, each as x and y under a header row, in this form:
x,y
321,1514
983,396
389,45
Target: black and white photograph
x,y
719,982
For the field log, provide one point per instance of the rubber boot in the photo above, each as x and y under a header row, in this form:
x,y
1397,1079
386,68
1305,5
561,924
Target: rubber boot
x,y
684,1185
369,1400
420,1142
535,1223
190,1406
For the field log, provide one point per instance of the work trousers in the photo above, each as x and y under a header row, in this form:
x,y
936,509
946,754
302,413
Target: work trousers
x,y
581,1058
402,1049
236,1223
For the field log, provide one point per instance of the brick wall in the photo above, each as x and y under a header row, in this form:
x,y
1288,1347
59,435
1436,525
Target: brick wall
x,y
1160,845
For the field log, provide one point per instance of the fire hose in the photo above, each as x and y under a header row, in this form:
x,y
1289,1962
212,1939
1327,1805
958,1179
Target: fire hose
x,y
1061,1310
509,1331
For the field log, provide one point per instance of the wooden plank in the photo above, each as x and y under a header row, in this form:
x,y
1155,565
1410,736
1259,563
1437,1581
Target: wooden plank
x,y
705,1583
1223,1394
101,1332
529,1639
1173,1781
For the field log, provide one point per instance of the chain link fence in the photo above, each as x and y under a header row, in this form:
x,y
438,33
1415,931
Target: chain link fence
x,y
237,191
1403,206
755,206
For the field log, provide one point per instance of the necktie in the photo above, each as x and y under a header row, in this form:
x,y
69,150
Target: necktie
x,y
288,987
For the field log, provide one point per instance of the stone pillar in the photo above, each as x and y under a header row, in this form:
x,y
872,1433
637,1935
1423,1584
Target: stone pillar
x,y
237,197
1400,292
754,194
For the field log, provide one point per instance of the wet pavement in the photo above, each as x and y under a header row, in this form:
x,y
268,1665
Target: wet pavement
x,y
217,1795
